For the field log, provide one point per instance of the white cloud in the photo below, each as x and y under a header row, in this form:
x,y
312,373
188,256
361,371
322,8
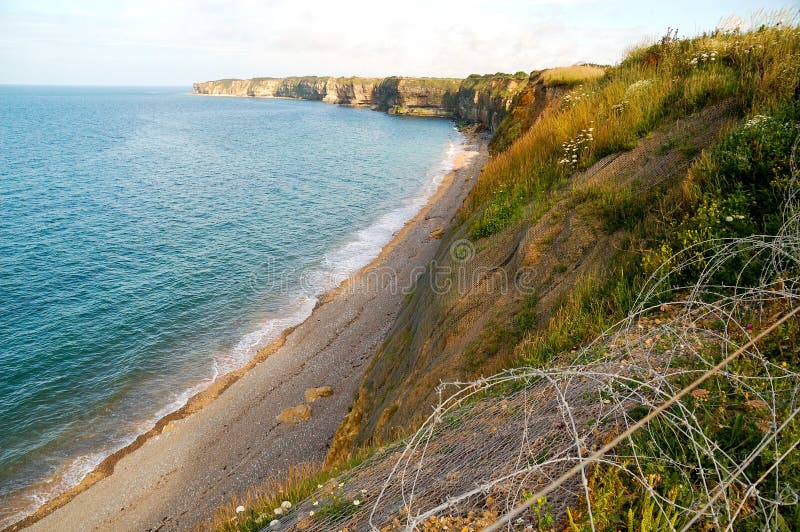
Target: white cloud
x,y
153,41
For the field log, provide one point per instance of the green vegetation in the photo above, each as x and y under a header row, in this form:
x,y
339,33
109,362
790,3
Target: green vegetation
x,y
592,306
733,189
665,81
730,417
493,86
300,482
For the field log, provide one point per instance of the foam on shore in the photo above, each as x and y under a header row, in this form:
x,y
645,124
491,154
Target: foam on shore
x,y
361,248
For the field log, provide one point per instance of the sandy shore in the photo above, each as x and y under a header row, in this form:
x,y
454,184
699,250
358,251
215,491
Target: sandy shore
x,y
226,440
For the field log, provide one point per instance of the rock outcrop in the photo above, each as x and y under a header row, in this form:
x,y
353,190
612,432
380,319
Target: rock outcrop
x,y
294,414
482,100
312,394
488,99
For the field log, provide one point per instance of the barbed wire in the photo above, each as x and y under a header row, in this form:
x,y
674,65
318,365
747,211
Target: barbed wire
x,y
516,449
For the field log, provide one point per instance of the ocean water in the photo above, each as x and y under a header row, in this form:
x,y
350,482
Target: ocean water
x,y
151,240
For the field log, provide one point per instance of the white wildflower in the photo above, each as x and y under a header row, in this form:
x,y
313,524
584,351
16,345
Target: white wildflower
x,y
757,121
356,502
729,218
637,85
239,509
311,513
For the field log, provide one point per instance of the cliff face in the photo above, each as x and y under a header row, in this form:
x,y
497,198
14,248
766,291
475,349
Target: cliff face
x,y
474,327
482,100
523,108
487,99
418,96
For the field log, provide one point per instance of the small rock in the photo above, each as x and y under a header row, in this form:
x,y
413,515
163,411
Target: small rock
x,y
312,394
294,414
239,509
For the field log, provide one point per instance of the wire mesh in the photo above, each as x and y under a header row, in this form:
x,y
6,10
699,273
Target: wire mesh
x,y
490,444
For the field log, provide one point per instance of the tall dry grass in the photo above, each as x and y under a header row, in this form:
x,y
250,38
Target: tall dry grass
x,y
669,79
572,75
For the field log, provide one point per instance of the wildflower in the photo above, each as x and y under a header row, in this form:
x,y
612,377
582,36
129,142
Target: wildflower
x,y
319,486
274,523
311,513
239,509
363,491
700,395
278,510
784,364
729,218
749,326
316,503
756,404
356,502
757,121
286,505
540,501
341,484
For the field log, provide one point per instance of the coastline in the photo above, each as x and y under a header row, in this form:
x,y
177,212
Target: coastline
x,y
81,500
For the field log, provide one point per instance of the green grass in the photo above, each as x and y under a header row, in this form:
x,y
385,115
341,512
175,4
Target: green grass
x,y
742,177
725,417
298,484
498,85
593,306
734,189
653,84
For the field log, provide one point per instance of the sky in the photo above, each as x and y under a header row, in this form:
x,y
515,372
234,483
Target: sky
x,y
176,42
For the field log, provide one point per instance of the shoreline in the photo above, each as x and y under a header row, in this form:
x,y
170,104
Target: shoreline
x,y
199,402
446,115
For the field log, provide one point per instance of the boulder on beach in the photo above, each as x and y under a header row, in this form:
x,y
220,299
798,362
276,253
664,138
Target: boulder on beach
x,y
312,394
294,414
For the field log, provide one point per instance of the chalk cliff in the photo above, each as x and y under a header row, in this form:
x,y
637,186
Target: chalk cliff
x,y
482,100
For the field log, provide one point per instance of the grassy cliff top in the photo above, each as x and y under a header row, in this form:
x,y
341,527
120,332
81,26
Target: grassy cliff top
x,y
673,164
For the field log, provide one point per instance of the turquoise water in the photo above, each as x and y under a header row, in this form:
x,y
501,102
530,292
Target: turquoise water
x,y
151,240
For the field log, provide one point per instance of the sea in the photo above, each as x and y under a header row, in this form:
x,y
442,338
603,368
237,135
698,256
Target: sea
x,y
152,240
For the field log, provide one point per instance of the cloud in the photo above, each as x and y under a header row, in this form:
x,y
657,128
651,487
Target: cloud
x,y
153,41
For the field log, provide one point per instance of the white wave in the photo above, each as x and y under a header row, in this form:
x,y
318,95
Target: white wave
x,y
267,332
363,246
366,244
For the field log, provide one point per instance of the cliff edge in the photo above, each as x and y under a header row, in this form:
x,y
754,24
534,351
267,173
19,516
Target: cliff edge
x,y
482,100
